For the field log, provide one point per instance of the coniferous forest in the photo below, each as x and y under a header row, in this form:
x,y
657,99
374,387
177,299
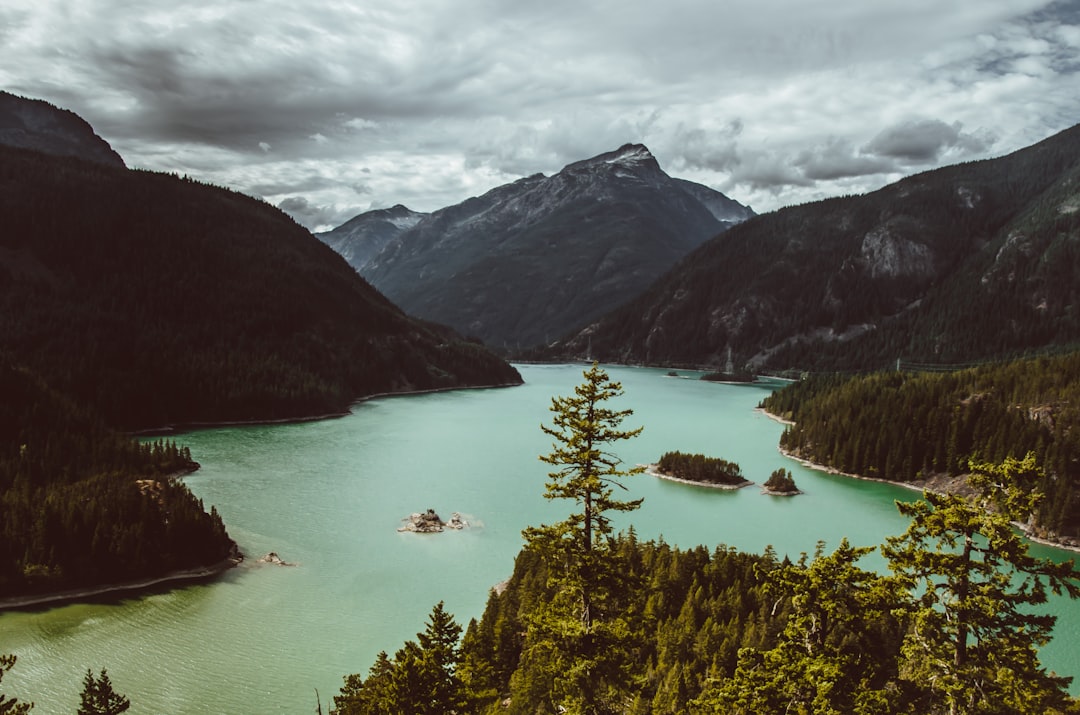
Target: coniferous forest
x,y
958,264
133,300
699,468
595,622
158,300
913,427
81,505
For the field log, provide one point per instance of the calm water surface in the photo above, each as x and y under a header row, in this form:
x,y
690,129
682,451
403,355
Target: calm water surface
x,y
329,496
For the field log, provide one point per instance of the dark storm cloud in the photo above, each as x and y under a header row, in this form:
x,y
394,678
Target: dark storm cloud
x,y
329,107
837,159
308,214
924,141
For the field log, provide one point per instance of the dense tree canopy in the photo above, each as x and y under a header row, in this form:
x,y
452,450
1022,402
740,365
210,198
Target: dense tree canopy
x,y
157,300
699,468
421,678
837,652
99,698
81,505
910,427
652,629
973,638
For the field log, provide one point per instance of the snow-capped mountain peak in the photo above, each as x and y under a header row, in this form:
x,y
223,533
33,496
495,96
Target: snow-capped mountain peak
x,y
630,154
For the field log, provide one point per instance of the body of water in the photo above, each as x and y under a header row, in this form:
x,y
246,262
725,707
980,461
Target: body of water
x,y
328,497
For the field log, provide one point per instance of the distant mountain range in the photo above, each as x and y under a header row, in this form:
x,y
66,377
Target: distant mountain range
x,y
958,264
530,260
157,300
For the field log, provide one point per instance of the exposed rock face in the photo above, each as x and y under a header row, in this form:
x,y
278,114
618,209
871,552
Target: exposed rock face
x,y
361,238
38,125
429,522
273,558
950,265
891,255
530,260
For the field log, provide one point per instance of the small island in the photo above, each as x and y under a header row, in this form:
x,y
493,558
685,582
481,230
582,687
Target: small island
x,y
273,558
699,470
780,484
429,522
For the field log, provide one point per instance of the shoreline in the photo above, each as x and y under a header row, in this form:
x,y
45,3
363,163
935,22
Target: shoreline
x,y
770,493
136,586
1075,548
652,471
432,390
832,470
181,427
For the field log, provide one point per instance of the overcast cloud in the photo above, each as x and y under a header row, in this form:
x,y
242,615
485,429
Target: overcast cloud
x,y
332,107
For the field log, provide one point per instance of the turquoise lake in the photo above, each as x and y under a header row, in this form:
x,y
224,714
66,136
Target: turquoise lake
x,y
328,496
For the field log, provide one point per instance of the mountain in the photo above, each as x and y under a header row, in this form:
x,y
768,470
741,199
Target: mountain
x,y
360,239
36,124
156,300
130,300
530,260
958,264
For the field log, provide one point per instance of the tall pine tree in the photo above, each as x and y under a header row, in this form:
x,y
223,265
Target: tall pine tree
x,y
974,638
578,646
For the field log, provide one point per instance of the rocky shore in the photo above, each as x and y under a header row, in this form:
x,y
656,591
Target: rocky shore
x,y
790,493
937,484
429,522
126,588
654,470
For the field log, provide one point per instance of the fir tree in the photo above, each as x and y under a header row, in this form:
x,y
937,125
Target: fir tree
x,y
10,706
974,638
99,698
587,474
836,653
441,687
578,647
421,678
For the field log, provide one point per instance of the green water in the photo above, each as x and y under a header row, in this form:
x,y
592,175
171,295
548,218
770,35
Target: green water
x,y
329,496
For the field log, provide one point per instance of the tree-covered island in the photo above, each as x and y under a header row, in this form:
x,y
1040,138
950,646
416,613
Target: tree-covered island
x,y
780,483
699,469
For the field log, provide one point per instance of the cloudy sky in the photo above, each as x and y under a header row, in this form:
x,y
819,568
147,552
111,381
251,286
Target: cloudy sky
x,y
332,107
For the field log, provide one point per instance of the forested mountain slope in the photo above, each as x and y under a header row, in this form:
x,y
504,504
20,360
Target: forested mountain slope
x,y
910,427
950,265
36,124
131,299
529,261
82,506
158,300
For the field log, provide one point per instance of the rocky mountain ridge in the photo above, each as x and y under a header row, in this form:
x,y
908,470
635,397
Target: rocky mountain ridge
x,y
360,239
529,260
962,263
